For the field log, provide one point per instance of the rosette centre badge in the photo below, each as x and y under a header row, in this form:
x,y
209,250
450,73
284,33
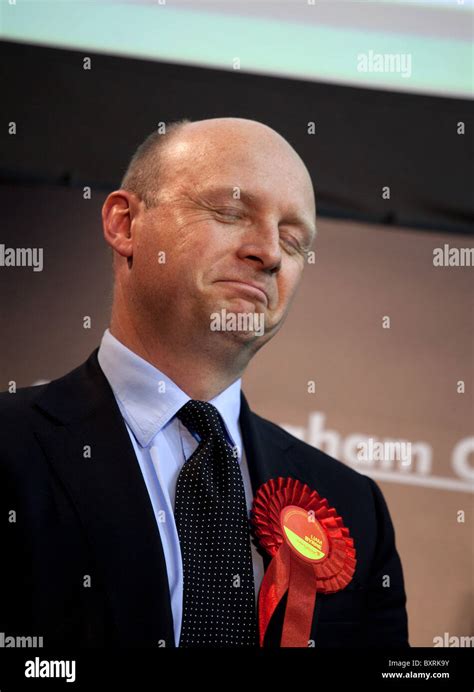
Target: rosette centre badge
x,y
304,534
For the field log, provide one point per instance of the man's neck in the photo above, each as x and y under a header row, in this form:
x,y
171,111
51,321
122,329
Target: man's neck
x,y
200,374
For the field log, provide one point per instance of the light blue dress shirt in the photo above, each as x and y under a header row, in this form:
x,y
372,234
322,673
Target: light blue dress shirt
x,y
149,401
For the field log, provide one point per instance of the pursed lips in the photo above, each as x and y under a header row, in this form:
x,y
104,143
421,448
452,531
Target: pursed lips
x,y
258,289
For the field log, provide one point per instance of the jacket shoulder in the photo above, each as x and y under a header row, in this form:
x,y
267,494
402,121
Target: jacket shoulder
x,y
18,403
16,408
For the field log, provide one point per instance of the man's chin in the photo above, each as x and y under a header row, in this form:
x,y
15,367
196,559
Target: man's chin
x,y
242,304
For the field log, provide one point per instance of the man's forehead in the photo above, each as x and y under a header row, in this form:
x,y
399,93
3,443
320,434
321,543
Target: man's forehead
x,y
272,157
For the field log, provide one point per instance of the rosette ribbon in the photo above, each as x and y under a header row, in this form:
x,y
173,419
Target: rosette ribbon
x,y
312,552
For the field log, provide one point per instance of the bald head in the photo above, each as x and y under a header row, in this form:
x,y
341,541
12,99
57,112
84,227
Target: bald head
x,y
229,135
186,146
144,170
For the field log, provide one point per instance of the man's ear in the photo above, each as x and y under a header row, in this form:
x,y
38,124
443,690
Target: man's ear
x,y
118,212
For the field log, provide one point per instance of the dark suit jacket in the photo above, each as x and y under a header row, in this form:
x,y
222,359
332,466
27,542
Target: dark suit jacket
x,y
83,564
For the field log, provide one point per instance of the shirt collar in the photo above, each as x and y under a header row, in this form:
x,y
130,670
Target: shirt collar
x,y
148,399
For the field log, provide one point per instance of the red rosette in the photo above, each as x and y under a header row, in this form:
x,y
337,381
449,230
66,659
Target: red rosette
x,y
305,560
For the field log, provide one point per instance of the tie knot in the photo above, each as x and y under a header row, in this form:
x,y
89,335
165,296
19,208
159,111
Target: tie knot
x,y
201,417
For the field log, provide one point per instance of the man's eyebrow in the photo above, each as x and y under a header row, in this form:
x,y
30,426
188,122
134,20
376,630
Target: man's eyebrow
x,y
237,194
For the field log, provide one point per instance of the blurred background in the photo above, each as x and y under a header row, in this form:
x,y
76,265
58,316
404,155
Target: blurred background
x,y
377,99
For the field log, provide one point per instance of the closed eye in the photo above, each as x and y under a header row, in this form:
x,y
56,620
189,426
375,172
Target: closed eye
x,y
293,244
229,214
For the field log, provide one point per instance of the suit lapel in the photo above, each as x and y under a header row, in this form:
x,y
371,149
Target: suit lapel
x,y
266,450
271,453
112,502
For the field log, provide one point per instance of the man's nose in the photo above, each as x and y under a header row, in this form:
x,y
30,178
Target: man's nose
x,y
262,248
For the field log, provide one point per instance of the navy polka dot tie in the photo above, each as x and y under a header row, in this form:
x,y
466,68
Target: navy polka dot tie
x,y
214,534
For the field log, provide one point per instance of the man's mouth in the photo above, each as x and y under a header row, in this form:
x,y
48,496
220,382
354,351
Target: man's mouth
x,y
252,289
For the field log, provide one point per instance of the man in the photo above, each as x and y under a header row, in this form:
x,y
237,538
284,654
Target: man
x,y
127,484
